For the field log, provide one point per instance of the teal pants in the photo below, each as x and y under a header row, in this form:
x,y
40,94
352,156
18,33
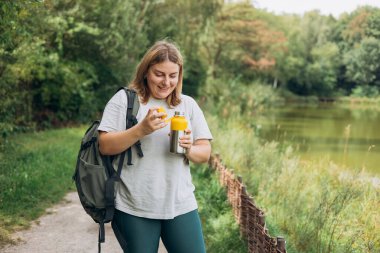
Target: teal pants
x,y
183,234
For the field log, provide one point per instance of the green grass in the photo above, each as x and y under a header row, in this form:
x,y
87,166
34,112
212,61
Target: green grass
x,y
36,171
220,229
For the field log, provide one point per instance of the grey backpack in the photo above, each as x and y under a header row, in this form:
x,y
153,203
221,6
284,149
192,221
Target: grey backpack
x,y
95,176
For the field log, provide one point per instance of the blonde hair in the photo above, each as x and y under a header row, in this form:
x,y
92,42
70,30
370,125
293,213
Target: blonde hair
x,y
161,51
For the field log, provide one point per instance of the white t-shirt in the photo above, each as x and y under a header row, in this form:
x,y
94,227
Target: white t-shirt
x,y
158,185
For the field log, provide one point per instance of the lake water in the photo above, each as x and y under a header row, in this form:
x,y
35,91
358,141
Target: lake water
x,y
348,136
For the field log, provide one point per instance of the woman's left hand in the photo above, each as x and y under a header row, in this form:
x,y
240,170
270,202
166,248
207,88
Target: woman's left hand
x,y
198,151
186,141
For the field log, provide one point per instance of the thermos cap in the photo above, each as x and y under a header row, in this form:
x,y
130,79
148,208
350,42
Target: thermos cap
x,y
178,122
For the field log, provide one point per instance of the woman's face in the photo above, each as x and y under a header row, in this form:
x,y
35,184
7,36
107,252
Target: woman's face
x,y
162,79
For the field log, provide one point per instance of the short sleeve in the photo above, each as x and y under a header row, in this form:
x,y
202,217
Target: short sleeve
x,y
200,129
114,115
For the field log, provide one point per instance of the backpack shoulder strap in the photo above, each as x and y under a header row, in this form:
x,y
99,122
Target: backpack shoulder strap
x,y
133,102
132,110
136,103
133,107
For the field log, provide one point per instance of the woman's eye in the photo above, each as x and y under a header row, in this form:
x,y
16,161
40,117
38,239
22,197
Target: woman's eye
x,y
158,74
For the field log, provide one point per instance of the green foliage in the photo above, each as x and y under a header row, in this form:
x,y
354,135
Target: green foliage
x,y
16,31
356,35
184,22
99,44
237,97
220,229
365,91
322,73
363,63
312,65
323,53
240,41
61,60
373,28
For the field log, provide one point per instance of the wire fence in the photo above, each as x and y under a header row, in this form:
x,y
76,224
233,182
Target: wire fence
x,y
250,218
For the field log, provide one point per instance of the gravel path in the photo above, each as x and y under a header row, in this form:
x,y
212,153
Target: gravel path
x,y
66,228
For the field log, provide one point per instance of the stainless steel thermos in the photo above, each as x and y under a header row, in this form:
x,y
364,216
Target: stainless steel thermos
x,y
178,125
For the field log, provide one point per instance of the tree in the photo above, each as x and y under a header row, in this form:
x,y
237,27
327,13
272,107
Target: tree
x,y
311,67
240,42
373,24
60,60
19,55
353,35
184,21
108,35
322,72
363,63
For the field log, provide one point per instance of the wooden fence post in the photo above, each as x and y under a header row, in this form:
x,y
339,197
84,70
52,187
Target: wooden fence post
x,y
243,206
281,244
262,219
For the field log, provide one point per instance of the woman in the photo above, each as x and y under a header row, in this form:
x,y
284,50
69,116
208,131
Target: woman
x,y
155,196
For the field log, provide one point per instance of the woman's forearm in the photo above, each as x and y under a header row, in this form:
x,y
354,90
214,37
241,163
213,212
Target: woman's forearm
x,y
199,152
112,143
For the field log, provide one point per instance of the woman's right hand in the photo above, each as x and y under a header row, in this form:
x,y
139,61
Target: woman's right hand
x,y
153,121
112,143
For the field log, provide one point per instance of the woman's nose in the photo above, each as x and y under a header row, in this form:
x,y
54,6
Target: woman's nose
x,y
167,80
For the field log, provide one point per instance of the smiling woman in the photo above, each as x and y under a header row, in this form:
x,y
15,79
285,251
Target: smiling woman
x,y
162,79
160,69
155,196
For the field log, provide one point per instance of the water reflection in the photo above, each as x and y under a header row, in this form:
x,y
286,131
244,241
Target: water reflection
x,y
349,137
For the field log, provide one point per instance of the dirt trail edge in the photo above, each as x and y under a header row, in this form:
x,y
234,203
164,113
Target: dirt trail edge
x,y
66,228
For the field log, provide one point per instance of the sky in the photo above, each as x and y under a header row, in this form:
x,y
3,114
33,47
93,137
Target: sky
x,y
334,7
